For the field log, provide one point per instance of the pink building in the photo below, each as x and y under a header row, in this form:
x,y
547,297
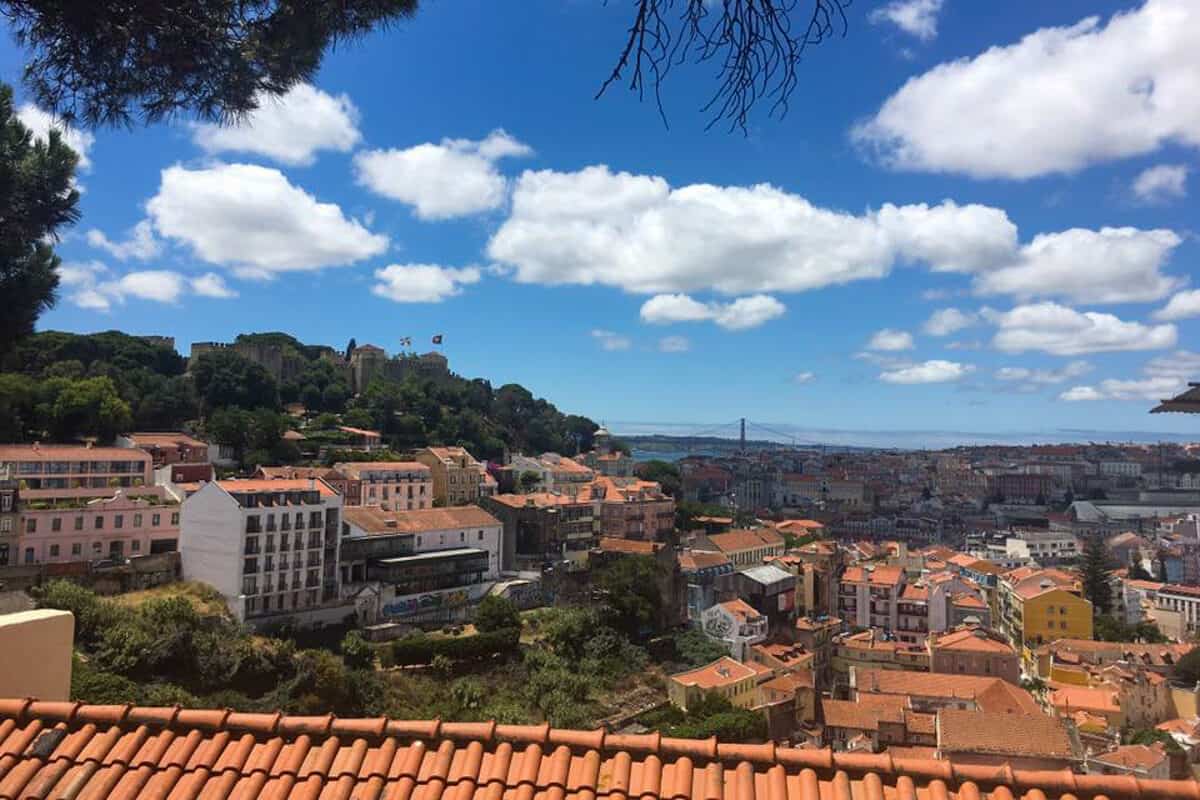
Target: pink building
x,y
55,470
82,529
631,508
392,485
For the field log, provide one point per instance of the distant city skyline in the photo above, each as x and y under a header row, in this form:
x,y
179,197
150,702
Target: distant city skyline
x,y
972,219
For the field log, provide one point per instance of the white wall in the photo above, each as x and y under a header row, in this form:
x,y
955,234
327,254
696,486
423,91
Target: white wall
x,y
211,542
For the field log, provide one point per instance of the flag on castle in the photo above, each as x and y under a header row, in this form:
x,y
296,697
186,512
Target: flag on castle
x,y
437,339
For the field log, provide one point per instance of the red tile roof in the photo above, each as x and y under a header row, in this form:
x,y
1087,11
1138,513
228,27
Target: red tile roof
x,y
376,520
695,560
87,752
736,541
1018,735
611,544
245,485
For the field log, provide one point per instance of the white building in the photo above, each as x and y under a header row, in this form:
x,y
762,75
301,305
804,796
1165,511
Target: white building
x,y
430,563
270,547
738,624
1184,600
1121,469
1047,547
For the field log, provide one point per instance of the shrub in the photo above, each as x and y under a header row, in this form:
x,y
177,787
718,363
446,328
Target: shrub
x,y
356,652
496,613
422,649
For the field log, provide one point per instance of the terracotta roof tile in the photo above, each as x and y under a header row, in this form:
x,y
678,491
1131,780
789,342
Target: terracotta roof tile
x,y
91,753
1015,735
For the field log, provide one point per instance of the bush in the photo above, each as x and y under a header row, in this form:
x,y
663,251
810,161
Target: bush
x,y
93,614
694,648
496,613
356,652
422,649
1187,670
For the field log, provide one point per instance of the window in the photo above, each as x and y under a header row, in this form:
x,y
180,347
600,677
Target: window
x,y
462,536
54,551
135,546
56,524
250,585
155,520
97,548
76,549
98,523
119,521
79,523
250,565
5,525
251,605
283,542
28,555
267,602
175,518
269,564
137,520
31,525
481,536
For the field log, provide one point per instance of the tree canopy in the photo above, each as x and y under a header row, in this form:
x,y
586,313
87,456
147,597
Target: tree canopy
x,y
1095,569
37,199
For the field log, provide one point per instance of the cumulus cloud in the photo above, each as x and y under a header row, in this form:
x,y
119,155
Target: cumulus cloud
x,y
1181,306
455,178
290,129
1059,330
741,314
1162,376
1112,265
139,243
1161,184
39,124
674,344
1112,91
637,233
946,321
890,340
933,371
92,285
803,377
422,283
915,17
210,284
253,219
608,340
1029,379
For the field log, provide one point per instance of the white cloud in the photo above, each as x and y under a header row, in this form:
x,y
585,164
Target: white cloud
x,y
1077,393
1034,378
741,314
1181,306
1162,376
452,179
1161,184
1063,331
934,371
1182,364
422,283
290,129
611,341
803,377
636,233
253,219
946,321
674,344
1058,100
210,284
1112,265
915,17
93,287
39,124
889,339
139,243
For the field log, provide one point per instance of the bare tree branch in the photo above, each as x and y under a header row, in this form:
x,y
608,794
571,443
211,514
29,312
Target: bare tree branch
x,y
757,45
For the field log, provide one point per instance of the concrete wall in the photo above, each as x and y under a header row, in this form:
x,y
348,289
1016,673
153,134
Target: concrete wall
x,y
35,654
211,542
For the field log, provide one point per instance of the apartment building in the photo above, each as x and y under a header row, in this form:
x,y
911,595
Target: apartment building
x,y
127,524
736,681
1050,547
556,473
870,650
869,595
270,547
1183,600
631,508
974,650
44,470
349,488
1038,606
456,474
166,448
544,527
391,485
10,520
419,564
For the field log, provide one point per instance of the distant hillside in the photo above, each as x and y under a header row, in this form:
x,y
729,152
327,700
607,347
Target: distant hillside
x,y
59,386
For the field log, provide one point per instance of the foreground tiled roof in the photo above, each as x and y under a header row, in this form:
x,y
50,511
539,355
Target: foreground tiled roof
x,y
85,752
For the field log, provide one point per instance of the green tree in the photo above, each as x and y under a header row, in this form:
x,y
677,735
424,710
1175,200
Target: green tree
x,y
230,427
496,613
357,652
223,378
1095,569
630,589
665,473
1187,670
90,407
529,481
37,199
695,649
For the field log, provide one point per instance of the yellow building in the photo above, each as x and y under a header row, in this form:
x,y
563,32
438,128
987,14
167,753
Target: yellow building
x,y
732,679
456,474
1041,605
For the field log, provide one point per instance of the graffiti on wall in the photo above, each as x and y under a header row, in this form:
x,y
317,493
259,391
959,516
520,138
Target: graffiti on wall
x,y
420,603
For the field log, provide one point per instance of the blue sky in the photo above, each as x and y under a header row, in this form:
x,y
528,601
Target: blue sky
x,y
1028,166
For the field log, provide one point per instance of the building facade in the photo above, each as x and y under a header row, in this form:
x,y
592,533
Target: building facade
x,y
391,485
456,474
81,529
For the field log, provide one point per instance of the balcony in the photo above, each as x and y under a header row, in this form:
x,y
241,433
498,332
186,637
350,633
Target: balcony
x,y
253,525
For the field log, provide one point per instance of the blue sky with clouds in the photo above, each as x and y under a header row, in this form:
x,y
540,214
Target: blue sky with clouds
x,y
974,217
